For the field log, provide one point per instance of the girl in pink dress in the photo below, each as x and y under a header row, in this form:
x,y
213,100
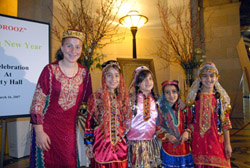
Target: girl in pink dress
x,y
143,148
108,120
210,106
61,88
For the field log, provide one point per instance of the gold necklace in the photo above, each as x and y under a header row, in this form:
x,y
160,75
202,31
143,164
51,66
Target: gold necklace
x,y
65,72
69,79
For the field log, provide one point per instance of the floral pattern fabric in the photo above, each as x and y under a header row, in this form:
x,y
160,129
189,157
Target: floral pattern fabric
x,y
111,149
55,105
208,144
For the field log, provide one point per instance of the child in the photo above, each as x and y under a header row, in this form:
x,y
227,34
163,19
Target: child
x,y
61,88
171,128
108,115
143,149
210,116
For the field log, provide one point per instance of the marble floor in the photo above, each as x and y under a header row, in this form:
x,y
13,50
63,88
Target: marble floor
x,y
240,141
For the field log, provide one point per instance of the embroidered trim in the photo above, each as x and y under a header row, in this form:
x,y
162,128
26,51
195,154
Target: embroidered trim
x,y
211,161
175,118
146,107
205,114
114,125
69,88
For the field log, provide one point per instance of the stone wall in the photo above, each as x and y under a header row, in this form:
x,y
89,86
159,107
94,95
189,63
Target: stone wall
x,y
222,34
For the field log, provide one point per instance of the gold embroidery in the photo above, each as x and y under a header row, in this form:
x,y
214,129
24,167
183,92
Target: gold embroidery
x,y
38,102
113,119
69,88
205,113
146,107
211,161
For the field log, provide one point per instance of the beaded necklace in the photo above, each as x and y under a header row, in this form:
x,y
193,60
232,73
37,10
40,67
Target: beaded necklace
x,y
114,125
146,107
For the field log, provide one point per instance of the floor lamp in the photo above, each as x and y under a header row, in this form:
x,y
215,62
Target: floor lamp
x,y
133,20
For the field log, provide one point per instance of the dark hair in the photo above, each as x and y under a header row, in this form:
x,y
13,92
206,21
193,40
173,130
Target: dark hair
x,y
141,76
217,94
177,88
59,53
111,63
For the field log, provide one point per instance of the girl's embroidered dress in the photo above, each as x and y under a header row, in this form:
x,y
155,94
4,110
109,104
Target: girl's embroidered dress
x,y
109,118
55,105
141,136
109,145
208,142
173,121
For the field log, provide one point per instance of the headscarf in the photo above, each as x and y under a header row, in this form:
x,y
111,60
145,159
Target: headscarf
x,y
104,103
225,99
166,111
134,88
136,73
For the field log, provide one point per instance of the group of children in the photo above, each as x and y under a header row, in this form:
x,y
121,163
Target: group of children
x,y
123,127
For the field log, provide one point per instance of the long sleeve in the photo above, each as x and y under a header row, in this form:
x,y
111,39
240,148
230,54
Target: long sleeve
x,y
190,119
160,131
88,89
226,123
90,122
89,131
39,102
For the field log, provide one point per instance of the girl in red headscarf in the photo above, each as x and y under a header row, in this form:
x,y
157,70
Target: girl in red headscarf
x,y
172,128
108,120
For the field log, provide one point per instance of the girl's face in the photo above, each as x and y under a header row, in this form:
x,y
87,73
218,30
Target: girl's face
x,y
147,84
171,94
71,48
112,77
208,80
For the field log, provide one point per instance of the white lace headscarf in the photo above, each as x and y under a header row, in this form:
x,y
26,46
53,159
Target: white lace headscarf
x,y
225,99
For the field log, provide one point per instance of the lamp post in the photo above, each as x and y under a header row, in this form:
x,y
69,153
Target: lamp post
x,y
133,20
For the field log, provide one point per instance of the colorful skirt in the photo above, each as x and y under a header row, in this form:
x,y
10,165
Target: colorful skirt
x,y
171,161
143,154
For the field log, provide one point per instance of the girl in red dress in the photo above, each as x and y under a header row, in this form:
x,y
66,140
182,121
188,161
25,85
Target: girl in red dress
x,y
61,88
209,105
108,120
172,128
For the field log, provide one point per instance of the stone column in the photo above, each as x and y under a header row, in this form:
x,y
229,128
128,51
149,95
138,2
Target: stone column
x,y
222,34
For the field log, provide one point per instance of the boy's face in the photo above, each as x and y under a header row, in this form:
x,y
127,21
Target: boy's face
x,y
171,94
208,80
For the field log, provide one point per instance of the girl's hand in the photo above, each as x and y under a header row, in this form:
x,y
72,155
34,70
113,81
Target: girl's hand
x,y
184,137
89,151
228,151
181,104
42,140
172,139
228,148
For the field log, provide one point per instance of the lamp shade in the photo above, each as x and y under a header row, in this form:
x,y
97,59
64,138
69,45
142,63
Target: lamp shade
x,y
133,19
